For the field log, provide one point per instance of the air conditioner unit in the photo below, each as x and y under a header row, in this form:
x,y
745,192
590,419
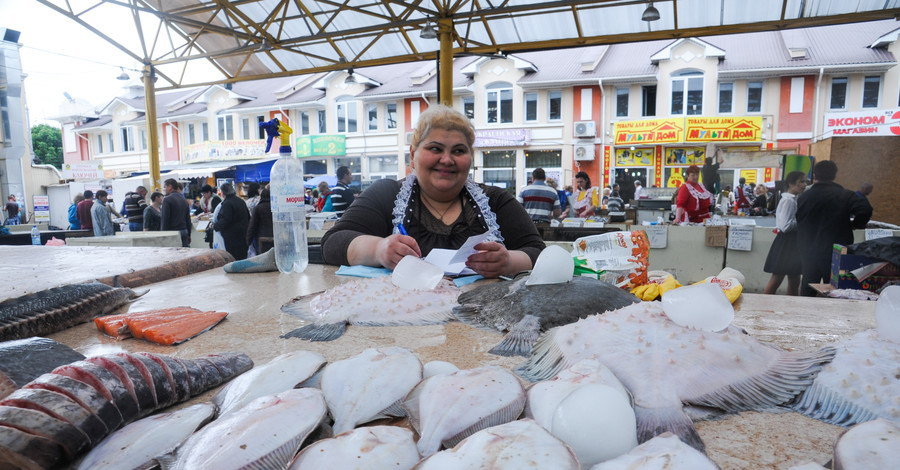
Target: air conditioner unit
x,y
584,152
585,129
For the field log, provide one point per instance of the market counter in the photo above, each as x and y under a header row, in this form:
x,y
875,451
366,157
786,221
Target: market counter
x,y
255,322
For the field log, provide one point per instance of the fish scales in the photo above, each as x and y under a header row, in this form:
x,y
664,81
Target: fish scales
x,y
665,366
53,310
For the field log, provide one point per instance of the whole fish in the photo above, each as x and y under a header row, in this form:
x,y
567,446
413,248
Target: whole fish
x,y
665,366
369,385
663,451
861,383
523,312
366,448
518,444
264,434
77,405
445,409
56,309
369,302
137,445
281,373
23,360
873,444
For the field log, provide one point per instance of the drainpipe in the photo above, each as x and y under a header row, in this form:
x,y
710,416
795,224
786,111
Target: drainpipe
x,y
816,106
603,131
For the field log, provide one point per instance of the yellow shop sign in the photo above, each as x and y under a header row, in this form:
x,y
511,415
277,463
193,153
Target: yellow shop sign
x,y
650,131
723,129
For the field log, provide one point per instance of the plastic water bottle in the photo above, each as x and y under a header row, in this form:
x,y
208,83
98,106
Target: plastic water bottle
x,y
35,236
288,214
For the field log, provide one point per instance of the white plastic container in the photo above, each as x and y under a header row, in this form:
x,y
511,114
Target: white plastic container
x,y
288,214
35,236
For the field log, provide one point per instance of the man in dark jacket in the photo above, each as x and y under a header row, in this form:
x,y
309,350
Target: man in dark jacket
x,y
232,222
83,211
175,212
135,204
826,214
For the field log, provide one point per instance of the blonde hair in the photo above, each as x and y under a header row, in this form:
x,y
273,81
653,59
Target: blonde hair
x,y
439,116
551,182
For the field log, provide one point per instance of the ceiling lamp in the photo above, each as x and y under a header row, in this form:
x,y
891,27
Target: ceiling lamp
x,y
651,13
428,31
123,75
351,80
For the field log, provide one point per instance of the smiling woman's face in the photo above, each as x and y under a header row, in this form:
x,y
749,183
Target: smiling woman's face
x,y
442,162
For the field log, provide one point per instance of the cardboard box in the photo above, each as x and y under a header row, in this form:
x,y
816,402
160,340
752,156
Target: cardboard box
x,y
842,265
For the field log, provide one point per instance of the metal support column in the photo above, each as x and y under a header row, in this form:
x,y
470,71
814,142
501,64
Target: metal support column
x,y
149,76
445,76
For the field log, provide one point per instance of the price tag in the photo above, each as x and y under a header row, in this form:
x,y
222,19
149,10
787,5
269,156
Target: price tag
x,y
740,238
873,233
658,235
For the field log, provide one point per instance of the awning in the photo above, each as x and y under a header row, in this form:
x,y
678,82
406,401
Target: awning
x,y
313,182
186,173
253,172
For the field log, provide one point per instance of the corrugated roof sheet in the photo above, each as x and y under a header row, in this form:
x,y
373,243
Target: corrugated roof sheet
x,y
266,91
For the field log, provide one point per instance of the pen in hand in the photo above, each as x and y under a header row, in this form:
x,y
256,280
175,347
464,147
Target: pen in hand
x,y
402,230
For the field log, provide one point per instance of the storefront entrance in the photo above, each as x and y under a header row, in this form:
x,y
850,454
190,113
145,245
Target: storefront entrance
x,y
626,177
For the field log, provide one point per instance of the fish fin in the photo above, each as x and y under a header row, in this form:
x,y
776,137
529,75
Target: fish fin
x,y
411,405
822,403
318,331
167,461
790,375
470,314
279,457
299,307
652,422
520,339
546,359
314,381
137,294
429,318
703,413
504,415
395,410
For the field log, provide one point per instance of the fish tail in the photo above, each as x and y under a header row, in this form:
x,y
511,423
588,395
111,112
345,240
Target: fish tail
x,y
318,332
299,307
652,422
520,339
546,359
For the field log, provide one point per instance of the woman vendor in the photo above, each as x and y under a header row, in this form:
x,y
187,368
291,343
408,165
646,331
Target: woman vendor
x,y
587,197
693,200
437,206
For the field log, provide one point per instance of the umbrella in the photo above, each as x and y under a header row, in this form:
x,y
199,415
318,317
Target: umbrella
x,y
314,182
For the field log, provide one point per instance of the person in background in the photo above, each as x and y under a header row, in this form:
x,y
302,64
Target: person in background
x,y
101,216
711,174
587,197
324,203
638,190
725,200
152,214
84,210
540,200
694,201
759,202
135,203
563,197
12,211
741,195
252,195
865,189
232,221
74,223
175,212
826,214
260,233
615,203
342,195
208,201
784,254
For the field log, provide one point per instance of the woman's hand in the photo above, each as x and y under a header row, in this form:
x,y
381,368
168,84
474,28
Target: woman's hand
x,y
494,260
389,251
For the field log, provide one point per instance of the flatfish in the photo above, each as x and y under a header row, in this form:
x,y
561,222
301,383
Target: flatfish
x,y
517,444
366,448
666,366
23,360
445,409
523,312
56,309
369,385
665,451
369,302
873,444
266,433
861,383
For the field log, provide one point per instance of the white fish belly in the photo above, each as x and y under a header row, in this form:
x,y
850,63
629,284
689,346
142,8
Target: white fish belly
x,y
378,302
665,451
281,373
368,448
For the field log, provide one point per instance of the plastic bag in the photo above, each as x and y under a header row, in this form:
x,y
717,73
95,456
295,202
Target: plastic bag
x,y
55,242
620,258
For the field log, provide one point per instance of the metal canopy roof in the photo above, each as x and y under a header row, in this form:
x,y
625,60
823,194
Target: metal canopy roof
x,y
196,42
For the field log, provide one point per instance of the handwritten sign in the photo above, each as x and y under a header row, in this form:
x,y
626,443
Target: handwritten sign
x,y
740,238
41,208
716,236
658,235
873,233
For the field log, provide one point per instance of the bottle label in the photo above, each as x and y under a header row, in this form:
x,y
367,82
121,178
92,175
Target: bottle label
x,y
287,198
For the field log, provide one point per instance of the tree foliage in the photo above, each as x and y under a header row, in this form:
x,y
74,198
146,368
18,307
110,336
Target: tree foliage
x,y
47,142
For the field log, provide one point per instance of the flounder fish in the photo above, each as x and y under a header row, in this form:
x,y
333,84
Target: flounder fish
x,y
666,366
369,385
366,448
369,302
447,408
873,444
523,312
861,383
518,444
665,451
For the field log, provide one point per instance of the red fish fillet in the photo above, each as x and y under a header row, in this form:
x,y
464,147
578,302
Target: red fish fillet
x,y
164,326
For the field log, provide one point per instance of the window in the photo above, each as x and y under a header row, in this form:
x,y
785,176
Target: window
x,y
648,97
871,88
260,132
384,165
312,168
546,159
531,106
726,98
204,132
109,141
838,93
346,116
99,143
797,86
190,133
304,122
127,138
372,116
390,118
500,169
143,141
499,103
621,101
555,105
321,116
225,127
245,128
754,97
469,106
687,94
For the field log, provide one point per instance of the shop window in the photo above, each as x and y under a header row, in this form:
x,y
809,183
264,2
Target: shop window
x,y
346,115
531,107
499,103
304,122
726,98
321,118
621,101
687,94
390,117
313,168
383,166
468,103
225,127
546,159
871,89
648,100
754,97
499,169
554,105
838,93
372,117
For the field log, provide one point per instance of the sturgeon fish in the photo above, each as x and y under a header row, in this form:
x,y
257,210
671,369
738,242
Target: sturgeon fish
x,y
666,366
22,361
65,412
523,312
52,310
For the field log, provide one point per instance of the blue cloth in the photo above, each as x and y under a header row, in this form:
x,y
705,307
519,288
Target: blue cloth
x,y
135,226
462,281
362,271
563,199
74,223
